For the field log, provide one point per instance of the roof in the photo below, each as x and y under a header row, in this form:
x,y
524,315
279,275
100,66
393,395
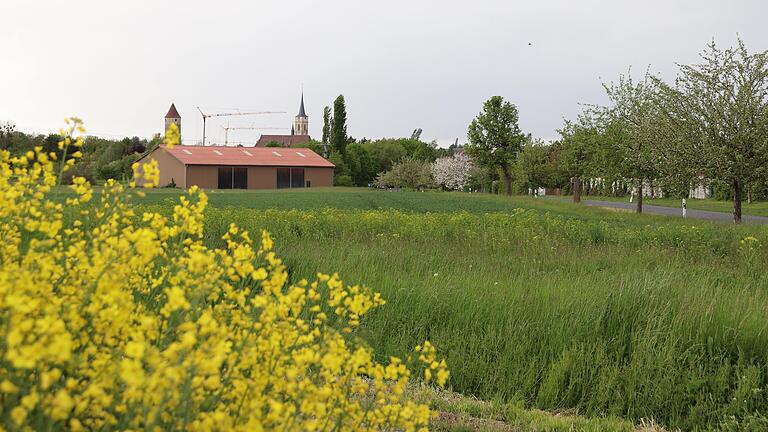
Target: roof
x,y
301,108
247,156
285,140
172,113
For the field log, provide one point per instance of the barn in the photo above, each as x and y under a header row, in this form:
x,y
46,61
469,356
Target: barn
x,y
220,167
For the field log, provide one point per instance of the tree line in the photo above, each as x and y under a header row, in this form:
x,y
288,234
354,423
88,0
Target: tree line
x,y
709,126
102,158
360,161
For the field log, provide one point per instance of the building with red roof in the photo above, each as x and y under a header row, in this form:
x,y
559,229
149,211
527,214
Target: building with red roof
x,y
283,140
221,167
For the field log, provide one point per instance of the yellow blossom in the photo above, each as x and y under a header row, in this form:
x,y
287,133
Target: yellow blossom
x,y
119,319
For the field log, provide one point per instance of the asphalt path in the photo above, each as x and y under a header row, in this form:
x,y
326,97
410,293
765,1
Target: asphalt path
x,y
671,211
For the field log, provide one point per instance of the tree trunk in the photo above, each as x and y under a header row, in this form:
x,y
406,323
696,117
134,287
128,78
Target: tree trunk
x,y
737,202
639,208
507,180
577,189
749,195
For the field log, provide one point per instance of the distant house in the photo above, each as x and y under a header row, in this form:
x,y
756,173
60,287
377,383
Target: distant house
x,y
217,167
701,188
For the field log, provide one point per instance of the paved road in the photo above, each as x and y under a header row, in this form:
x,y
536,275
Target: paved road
x,y
671,211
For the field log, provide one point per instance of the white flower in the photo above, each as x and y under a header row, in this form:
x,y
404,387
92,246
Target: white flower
x,y
452,171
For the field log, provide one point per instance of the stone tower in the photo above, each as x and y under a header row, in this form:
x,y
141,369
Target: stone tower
x,y
301,121
172,117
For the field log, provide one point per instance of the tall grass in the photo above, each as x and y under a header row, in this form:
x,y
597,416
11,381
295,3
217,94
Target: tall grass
x,y
606,314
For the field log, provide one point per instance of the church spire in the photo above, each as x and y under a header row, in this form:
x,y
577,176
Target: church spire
x,y
301,107
301,121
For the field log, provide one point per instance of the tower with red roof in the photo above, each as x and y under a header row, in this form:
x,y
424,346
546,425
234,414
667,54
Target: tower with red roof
x,y
172,117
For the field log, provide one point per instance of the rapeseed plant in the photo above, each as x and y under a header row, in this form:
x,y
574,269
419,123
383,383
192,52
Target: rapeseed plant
x,y
119,320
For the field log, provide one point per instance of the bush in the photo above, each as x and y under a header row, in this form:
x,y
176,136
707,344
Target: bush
x,y
343,180
122,322
112,170
410,173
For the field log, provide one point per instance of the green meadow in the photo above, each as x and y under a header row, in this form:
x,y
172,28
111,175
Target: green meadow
x,y
538,303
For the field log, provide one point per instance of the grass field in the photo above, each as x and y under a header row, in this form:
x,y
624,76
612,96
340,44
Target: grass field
x,y
541,304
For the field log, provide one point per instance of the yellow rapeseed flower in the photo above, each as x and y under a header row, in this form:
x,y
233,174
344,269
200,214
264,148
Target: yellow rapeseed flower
x,y
119,319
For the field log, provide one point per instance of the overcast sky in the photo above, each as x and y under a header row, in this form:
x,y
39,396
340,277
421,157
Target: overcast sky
x,y
400,64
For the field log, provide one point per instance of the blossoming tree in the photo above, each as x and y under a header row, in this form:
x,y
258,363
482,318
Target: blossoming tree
x,y
452,172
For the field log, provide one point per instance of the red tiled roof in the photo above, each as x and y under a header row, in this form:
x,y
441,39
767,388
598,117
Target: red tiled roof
x,y
285,140
247,156
172,113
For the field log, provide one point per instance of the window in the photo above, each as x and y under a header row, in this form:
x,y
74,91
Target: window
x,y
283,178
297,177
290,178
225,177
233,178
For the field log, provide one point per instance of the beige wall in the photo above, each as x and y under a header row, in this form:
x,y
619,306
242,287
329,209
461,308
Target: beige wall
x,y
204,176
170,168
262,177
319,177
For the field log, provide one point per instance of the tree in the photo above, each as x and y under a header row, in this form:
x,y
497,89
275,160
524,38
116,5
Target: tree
x,y
385,153
577,149
361,165
716,118
495,138
410,173
6,134
633,126
533,167
418,149
338,136
452,172
326,125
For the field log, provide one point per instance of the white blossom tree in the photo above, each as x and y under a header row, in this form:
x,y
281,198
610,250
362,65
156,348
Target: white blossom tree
x,y
452,171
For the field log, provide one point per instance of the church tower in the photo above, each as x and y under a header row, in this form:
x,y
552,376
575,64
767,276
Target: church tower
x,y
301,121
172,117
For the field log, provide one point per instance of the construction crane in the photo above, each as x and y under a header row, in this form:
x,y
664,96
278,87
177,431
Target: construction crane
x,y
228,114
227,128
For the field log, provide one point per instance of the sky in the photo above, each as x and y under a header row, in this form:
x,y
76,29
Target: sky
x,y
400,65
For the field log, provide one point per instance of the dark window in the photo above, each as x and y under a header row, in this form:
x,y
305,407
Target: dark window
x,y
309,183
283,178
297,177
225,177
240,178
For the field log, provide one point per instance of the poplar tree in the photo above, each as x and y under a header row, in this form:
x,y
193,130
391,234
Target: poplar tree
x,y
338,135
326,125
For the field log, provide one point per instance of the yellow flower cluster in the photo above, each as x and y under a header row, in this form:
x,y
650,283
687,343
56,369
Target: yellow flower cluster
x,y
113,320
